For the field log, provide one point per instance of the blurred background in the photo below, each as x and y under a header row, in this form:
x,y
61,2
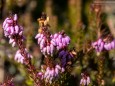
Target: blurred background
x,y
76,17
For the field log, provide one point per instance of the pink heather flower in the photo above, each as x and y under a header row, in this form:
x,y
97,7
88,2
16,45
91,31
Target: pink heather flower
x,y
62,69
15,17
88,80
58,67
46,48
12,30
12,41
61,40
11,27
40,74
100,45
51,73
48,45
110,45
19,58
56,71
85,80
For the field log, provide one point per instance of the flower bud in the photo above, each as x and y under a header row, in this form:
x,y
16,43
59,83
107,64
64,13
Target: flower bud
x,y
15,17
16,29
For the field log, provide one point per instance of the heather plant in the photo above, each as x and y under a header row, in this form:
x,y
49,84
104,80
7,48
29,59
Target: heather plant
x,y
52,46
61,61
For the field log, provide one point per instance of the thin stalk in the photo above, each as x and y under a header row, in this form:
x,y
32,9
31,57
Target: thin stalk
x,y
30,68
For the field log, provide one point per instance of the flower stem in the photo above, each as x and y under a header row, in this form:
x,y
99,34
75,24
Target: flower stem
x,y
30,68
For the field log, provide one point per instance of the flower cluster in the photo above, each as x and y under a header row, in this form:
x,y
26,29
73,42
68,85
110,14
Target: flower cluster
x,y
52,44
51,73
61,40
11,27
110,45
45,45
48,42
98,45
85,80
101,45
15,34
48,45
19,57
